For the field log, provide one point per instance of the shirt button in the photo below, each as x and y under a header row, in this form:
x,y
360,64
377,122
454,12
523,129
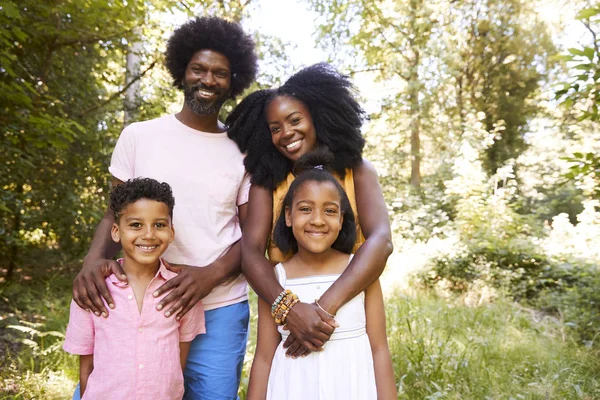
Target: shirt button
x,y
141,329
141,366
130,297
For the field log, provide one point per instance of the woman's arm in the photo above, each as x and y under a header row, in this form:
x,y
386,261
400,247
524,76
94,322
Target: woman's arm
x,y
304,320
376,330
257,228
86,366
268,339
370,259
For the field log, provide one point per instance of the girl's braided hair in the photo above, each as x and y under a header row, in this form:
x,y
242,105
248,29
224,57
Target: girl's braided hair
x,y
336,115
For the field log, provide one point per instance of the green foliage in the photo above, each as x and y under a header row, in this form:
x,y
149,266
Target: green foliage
x,y
585,165
56,62
444,350
440,348
582,93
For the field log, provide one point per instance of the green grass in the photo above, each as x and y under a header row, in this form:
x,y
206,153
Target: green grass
x,y
441,349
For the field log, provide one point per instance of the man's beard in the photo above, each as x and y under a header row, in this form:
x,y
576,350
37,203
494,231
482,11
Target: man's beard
x,y
200,106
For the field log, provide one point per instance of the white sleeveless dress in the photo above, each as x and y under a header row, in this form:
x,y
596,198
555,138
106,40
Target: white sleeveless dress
x,y
343,370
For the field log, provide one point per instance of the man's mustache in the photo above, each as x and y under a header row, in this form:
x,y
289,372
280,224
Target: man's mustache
x,y
204,87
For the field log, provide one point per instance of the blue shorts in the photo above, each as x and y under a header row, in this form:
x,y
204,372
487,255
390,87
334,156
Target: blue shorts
x,y
214,365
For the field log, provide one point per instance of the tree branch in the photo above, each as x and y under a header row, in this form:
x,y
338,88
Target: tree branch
x,y
120,92
594,37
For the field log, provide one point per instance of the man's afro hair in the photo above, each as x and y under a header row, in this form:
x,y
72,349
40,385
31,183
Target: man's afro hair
x,y
213,33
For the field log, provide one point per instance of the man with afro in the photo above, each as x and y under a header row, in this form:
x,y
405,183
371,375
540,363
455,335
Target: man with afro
x,y
210,60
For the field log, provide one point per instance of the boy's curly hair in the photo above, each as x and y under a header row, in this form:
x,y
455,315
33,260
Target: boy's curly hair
x,y
216,34
140,188
336,115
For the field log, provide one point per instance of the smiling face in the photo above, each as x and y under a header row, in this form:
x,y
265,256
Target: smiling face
x,y
291,125
145,230
207,82
315,216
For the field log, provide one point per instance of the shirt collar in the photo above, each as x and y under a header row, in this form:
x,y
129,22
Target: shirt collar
x,y
162,272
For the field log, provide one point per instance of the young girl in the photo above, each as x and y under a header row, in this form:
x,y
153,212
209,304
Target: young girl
x,y
137,353
317,224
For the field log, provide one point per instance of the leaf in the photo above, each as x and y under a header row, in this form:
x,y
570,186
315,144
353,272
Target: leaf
x,y
587,13
576,52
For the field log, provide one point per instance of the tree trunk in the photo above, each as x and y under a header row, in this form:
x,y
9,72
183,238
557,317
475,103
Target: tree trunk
x,y
415,139
132,74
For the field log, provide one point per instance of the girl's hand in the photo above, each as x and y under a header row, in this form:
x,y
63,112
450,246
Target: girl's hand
x,y
191,285
89,286
310,326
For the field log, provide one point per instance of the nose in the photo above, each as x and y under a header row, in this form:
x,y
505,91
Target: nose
x,y
317,219
208,79
288,131
149,233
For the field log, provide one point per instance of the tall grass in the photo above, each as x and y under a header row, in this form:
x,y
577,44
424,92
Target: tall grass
x,y
441,349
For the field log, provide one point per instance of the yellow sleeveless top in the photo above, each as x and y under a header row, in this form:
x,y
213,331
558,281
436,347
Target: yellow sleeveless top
x,y
275,255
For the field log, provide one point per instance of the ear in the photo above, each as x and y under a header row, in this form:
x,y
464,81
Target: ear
x,y
288,217
172,234
114,233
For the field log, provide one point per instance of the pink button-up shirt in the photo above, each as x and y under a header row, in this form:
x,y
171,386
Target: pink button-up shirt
x,y
136,355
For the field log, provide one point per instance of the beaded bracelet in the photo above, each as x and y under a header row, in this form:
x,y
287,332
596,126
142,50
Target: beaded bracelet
x,y
282,306
278,300
280,318
330,315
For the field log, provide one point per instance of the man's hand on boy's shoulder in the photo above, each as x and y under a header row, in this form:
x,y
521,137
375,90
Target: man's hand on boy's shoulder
x,y
191,285
89,286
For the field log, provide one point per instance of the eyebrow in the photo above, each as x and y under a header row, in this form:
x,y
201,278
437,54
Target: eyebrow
x,y
287,116
204,65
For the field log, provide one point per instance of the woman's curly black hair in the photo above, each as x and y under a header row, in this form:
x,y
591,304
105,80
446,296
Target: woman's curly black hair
x,y
336,115
216,34
140,188
314,167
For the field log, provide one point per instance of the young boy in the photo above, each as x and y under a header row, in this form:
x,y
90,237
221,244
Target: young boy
x,y
137,352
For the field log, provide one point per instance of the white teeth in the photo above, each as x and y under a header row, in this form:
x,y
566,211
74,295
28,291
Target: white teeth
x,y
147,247
294,144
205,93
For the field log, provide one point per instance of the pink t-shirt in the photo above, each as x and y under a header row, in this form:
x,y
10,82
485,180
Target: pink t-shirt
x,y
136,355
207,175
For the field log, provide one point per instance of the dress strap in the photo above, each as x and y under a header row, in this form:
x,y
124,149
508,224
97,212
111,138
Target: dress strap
x,y
280,274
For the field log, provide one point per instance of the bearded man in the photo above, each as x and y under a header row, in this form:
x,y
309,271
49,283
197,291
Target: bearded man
x,y
210,60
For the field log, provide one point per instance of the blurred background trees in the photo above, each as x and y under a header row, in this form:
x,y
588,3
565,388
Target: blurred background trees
x,y
484,128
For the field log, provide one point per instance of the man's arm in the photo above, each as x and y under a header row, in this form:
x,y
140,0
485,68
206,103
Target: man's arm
x,y
192,284
89,286
86,366
370,259
184,350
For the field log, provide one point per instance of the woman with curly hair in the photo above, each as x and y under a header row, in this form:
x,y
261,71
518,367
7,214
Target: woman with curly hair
x,y
275,127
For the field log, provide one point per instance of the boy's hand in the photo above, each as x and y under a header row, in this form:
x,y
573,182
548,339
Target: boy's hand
x,y
191,285
89,286
310,327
